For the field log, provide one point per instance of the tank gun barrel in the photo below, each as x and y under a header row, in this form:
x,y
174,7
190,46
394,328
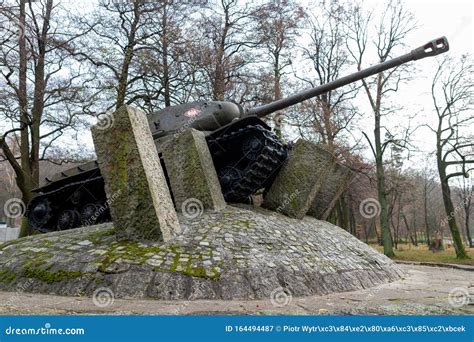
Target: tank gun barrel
x,y
432,48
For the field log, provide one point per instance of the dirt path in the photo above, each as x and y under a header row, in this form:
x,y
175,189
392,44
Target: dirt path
x,y
426,290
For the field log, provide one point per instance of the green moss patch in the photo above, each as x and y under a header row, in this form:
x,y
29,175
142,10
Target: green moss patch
x,y
48,276
134,252
34,269
6,276
96,237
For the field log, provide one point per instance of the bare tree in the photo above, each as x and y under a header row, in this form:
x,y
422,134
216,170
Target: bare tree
x,y
8,187
466,194
452,92
222,49
278,24
395,24
170,65
120,31
429,185
329,114
39,99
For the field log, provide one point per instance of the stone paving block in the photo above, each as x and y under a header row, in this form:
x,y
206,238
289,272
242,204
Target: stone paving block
x,y
191,171
277,258
138,196
333,187
299,180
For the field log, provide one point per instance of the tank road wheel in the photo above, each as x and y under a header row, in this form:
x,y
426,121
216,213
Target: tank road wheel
x,y
252,146
39,214
103,211
228,176
77,196
89,214
68,219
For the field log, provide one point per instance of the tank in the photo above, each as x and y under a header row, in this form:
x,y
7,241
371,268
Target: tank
x,y
247,155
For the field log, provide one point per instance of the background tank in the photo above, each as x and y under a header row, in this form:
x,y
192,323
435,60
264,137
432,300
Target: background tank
x,y
246,154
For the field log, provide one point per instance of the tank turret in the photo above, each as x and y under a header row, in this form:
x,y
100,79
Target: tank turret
x,y
246,154
212,115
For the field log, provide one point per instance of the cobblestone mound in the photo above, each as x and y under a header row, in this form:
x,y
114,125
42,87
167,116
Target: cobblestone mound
x,y
238,253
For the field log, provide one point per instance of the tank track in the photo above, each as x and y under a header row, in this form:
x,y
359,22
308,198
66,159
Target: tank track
x,y
67,190
257,167
253,153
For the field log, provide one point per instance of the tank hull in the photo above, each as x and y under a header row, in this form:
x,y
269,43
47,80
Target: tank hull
x,y
246,155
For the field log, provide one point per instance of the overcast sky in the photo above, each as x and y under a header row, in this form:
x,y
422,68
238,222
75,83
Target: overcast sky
x,y
435,18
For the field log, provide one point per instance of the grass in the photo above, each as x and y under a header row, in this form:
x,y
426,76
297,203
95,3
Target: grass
x,y
420,253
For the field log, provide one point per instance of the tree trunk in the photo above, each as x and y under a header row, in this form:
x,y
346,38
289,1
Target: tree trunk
x,y
410,234
449,206
468,230
415,232
382,195
352,222
425,212
127,60
24,175
166,72
218,83
278,116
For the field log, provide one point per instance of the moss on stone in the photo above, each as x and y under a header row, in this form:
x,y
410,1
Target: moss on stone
x,y
132,248
141,254
242,223
96,237
6,244
200,272
44,243
48,276
33,269
6,276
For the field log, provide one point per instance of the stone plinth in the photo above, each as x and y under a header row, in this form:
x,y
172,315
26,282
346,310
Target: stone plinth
x,y
299,180
191,171
237,253
333,187
138,196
